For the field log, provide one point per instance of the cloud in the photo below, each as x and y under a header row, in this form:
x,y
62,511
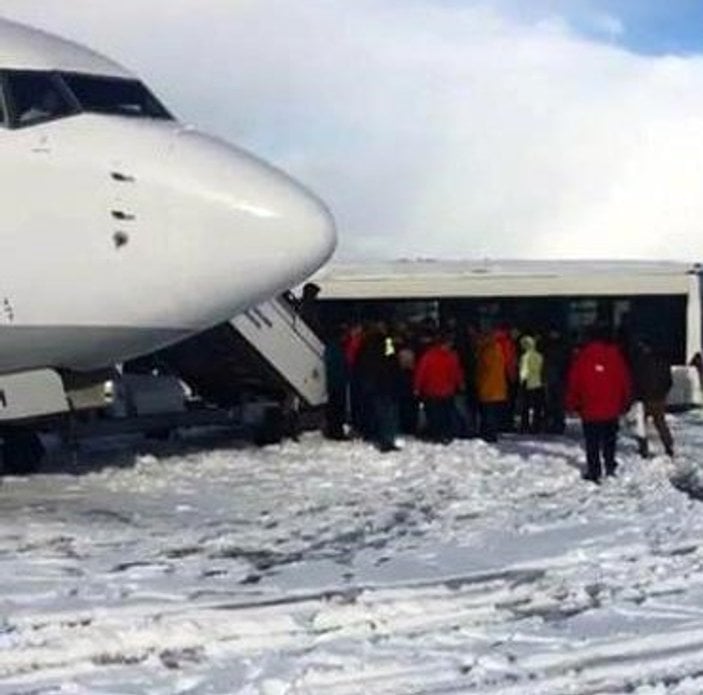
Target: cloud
x,y
608,25
431,129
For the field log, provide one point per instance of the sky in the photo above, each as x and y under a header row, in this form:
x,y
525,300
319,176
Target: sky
x,y
441,128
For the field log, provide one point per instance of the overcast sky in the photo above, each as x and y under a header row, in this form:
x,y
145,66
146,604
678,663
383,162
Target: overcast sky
x,y
442,128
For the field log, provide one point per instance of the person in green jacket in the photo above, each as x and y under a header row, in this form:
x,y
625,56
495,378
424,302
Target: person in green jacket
x,y
531,386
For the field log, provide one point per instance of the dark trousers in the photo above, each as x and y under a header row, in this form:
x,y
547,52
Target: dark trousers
x,y
440,422
336,412
601,441
356,404
506,418
409,406
465,416
532,410
367,419
491,414
657,411
554,409
386,421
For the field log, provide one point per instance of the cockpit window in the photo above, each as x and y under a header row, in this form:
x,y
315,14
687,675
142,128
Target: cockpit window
x,y
115,96
36,97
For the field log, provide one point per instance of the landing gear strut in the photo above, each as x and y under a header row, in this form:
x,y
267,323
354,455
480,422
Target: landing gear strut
x,y
22,451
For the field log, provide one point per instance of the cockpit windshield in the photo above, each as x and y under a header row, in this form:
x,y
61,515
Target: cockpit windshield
x,y
35,97
115,96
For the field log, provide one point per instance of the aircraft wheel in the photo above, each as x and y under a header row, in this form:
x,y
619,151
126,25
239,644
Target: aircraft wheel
x,y
161,435
271,429
22,452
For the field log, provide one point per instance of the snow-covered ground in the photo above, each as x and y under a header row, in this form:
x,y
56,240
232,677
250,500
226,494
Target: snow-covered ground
x,y
322,567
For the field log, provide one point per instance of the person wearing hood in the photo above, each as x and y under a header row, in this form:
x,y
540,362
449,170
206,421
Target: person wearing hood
x,y
531,386
599,390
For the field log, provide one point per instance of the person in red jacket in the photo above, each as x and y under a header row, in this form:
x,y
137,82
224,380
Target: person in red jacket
x,y
599,390
438,379
507,341
351,345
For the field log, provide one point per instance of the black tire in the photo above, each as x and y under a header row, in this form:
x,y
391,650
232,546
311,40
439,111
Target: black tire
x,y
22,452
160,435
271,429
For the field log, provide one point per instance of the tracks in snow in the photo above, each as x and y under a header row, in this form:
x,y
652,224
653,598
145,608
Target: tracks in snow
x,y
472,633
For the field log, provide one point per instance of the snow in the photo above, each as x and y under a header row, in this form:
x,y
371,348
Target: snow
x,y
326,567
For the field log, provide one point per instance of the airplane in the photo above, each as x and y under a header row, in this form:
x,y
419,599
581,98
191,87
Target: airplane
x,y
123,229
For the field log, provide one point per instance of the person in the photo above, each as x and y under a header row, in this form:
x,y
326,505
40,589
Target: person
x,y
408,404
651,376
466,349
505,338
47,105
380,377
599,390
337,376
556,366
491,385
531,385
438,379
351,345
308,308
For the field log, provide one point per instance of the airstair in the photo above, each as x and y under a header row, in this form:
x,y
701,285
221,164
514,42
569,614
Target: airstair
x,y
267,351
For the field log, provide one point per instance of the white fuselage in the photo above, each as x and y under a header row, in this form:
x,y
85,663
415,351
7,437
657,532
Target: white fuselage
x,y
121,234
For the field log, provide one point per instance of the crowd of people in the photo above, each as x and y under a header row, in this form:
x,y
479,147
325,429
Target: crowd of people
x,y
454,381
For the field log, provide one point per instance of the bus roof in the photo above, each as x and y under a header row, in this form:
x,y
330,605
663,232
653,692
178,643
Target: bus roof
x,y
427,279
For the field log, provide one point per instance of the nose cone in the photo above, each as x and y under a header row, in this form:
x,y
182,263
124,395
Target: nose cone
x,y
295,231
247,230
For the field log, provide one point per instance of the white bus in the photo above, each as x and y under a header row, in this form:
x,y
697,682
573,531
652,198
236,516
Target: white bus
x,y
659,302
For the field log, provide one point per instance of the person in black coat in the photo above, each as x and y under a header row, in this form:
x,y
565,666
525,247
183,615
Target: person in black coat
x,y
651,376
337,375
309,309
556,366
466,349
379,373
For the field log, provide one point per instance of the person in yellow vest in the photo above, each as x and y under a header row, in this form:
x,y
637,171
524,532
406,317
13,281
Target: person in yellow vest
x,y
531,386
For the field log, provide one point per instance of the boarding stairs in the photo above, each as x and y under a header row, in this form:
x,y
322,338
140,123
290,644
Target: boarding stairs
x,y
267,351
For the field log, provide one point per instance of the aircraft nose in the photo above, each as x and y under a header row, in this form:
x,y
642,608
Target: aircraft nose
x,y
246,230
298,231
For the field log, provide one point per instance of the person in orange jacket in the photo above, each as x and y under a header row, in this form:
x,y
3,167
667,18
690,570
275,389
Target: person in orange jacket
x,y
491,384
507,340
438,379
